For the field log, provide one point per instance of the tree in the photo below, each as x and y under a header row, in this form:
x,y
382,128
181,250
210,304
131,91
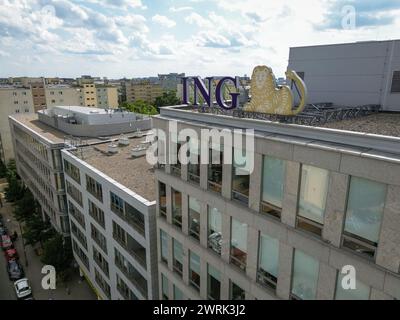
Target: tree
x,y
25,207
168,98
37,230
140,106
57,252
3,170
15,190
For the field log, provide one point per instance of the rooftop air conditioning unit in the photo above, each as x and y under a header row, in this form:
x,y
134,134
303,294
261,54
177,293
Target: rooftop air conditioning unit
x,y
123,141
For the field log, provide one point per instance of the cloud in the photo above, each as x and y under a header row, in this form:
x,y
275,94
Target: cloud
x,y
163,21
180,9
198,20
369,13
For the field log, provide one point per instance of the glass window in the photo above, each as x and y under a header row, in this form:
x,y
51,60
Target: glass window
x,y
215,167
268,261
241,176
214,229
272,186
312,200
236,292
164,285
239,244
194,164
163,199
361,292
213,283
305,276
194,218
94,188
177,208
164,246
194,270
365,205
117,204
178,295
96,213
178,257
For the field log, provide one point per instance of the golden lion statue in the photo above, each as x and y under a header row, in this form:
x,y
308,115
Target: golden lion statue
x,y
267,98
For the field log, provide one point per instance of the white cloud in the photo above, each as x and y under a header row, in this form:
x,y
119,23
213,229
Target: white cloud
x,y
196,19
163,21
180,9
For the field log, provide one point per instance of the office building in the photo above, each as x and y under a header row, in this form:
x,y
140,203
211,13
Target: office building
x,y
351,74
111,201
145,90
318,200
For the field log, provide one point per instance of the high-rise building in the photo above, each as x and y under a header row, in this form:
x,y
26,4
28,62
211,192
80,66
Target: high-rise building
x,y
318,201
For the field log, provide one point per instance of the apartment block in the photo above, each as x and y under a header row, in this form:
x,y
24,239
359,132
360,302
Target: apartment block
x,y
143,90
88,95
107,96
111,201
318,200
13,100
62,95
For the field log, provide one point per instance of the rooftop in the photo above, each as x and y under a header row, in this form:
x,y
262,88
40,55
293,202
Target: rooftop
x,y
134,173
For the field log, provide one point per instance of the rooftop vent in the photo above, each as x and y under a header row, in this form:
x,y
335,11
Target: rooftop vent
x,y
112,149
123,141
139,150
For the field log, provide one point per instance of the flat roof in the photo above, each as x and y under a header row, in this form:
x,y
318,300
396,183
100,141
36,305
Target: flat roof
x,y
386,124
134,173
346,43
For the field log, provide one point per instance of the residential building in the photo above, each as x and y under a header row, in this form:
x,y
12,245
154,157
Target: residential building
x,y
113,219
351,74
62,95
318,200
170,81
38,94
13,100
107,96
89,95
143,90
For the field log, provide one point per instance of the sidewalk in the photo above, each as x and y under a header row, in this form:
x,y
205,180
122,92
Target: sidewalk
x,y
77,289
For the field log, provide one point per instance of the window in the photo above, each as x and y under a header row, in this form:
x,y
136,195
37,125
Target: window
x,y
272,186
312,199
176,164
214,230
94,188
215,165
101,262
117,204
177,208
178,257
396,82
79,217
194,164
164,287
236,293
194,271
241,176
178,295
79,234
361,292
213,283
164,246
74,193
365,205
239,244
135,218
194,218
304,277
163,199
268,261
99,238
96,213
124,290
79,252
102,283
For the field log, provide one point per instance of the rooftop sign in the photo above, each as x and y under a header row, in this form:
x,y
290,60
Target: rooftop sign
x,y
266,97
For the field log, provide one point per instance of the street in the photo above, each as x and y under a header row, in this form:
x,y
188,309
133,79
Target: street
x,y
74,289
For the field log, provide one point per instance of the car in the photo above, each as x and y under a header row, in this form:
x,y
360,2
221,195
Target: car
x,y
3,231
11,254
22,289
15,270
6,242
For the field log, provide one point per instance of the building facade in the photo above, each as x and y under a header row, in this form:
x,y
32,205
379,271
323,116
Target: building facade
x,y
62,95
13,100
351,74
112,229
317,201
146,91
107,97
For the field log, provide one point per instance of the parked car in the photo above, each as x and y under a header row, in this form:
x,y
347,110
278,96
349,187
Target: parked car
x,y
3,231
15,270
6,242
11,254
22,289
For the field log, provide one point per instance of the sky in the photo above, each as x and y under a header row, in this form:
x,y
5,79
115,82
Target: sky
x,y
139,38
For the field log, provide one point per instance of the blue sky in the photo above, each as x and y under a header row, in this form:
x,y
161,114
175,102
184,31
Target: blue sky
x,y
133,38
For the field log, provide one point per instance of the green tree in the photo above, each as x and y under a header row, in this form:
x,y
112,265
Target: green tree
x,y
37,231
168,98
140,106
15,190
25,207
57,252
3,170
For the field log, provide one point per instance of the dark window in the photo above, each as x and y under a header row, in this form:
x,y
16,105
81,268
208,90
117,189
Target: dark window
x,y
396,82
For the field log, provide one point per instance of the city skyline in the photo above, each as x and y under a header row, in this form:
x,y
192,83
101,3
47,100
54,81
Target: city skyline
x,y
134,38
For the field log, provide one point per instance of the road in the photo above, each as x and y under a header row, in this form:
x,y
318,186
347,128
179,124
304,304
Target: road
x,y
75,289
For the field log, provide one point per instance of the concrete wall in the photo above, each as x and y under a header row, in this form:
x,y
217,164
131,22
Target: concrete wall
x,y
350,74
